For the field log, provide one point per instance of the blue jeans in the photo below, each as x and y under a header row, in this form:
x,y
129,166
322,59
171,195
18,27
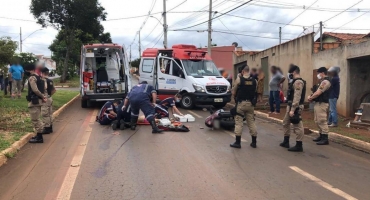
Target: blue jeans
x,y
274,98
333,116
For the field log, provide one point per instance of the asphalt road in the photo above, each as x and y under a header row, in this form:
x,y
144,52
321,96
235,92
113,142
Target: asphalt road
x,y
83,160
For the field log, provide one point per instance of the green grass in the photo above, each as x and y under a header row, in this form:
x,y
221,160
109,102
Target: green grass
x,y
14,119
73,82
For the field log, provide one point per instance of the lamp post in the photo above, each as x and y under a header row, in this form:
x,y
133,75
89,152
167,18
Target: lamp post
x,y
164,31
21,40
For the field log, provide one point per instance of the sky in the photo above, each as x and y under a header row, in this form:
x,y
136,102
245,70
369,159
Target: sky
x,y
254,26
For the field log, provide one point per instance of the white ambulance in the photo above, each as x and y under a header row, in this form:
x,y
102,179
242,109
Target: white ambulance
x,y
187,70
104,73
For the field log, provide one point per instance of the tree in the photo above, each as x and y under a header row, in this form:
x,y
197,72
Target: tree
x,y
135,63
69,16
7,50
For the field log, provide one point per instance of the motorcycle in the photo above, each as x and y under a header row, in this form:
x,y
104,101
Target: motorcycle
x,y
220,119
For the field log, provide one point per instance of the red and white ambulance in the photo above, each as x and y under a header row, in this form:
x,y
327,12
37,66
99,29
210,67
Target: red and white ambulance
x,y
187,70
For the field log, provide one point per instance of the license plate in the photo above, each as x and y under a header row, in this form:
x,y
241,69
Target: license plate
x,y
219,100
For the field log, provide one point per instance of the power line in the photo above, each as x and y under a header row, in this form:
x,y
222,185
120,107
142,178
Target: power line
x,y
158,40
26,20
132,17
217,16
342,11
351,21
233,34
266,21
256,36
299,14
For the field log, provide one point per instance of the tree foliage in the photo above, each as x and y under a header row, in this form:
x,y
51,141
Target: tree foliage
x,y
7,50
69,16
135,63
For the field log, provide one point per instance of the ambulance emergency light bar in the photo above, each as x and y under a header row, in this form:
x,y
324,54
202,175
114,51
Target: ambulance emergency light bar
x,y
196,54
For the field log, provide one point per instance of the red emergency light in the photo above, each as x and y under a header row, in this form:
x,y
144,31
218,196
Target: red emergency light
x,y
196,54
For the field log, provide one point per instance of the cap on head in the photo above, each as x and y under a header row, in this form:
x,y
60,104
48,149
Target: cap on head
x,y
29,67
143,82
322,70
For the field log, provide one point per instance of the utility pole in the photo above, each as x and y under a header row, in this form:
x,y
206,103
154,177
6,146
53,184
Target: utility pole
x,y
20,39
320,36
139,45
279,35
210,28
164,24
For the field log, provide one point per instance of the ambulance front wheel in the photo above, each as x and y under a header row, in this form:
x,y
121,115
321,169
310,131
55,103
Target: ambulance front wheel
x,y
187,102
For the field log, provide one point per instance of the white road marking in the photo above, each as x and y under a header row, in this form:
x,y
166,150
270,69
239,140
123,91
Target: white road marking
x,y
233,135
195,114
71,176
323,184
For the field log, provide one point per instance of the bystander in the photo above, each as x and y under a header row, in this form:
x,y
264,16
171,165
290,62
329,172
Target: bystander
x,y
16,72
333,96
276,80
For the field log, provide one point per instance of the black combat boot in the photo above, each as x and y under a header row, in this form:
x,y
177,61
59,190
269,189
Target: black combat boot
x,y
133,122
236,144
285,143
37,139
46,130
324,140
254,142
155,128
297,148
318,138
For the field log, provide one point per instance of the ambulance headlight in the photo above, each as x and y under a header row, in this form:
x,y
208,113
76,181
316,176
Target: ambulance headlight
x,y
198,88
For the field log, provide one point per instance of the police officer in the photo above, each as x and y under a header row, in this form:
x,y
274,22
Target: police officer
x,y
321,99
37,96
296,96
139,99
244,91
47,108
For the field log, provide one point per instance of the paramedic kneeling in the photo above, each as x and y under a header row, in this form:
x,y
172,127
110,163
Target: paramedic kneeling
x,y
161,109
139,99
244,90
108,113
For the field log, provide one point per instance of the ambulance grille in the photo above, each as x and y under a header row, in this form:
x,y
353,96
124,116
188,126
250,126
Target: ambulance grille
x,y
216,89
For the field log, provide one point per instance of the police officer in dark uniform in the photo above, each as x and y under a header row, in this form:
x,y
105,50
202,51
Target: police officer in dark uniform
x,y
37,96
244,90
47,108
296,96
140,98
321,108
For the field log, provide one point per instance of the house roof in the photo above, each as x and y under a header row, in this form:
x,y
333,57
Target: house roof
x,y
345,36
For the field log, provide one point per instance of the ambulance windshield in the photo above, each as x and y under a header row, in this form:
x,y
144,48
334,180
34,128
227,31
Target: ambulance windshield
x,y
200,68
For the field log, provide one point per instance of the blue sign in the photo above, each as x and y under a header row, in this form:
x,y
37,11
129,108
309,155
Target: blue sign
x,y
171,81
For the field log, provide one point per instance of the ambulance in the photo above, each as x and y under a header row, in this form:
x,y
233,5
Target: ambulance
x,y
187,70
104,71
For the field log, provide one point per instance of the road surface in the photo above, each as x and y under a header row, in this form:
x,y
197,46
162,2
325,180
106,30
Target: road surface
x,y
83,160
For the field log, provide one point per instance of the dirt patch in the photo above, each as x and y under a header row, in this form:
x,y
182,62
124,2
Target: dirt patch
x,y
308,121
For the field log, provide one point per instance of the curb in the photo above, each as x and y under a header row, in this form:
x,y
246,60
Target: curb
x,y
16,146
334,137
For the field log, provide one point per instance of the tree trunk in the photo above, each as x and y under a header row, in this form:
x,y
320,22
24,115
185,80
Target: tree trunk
x,y
69,38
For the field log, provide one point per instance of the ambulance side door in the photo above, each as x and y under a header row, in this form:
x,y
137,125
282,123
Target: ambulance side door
x,y
168,81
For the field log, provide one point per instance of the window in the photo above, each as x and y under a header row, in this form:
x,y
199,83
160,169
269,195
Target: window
x,y
148,65
176,70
